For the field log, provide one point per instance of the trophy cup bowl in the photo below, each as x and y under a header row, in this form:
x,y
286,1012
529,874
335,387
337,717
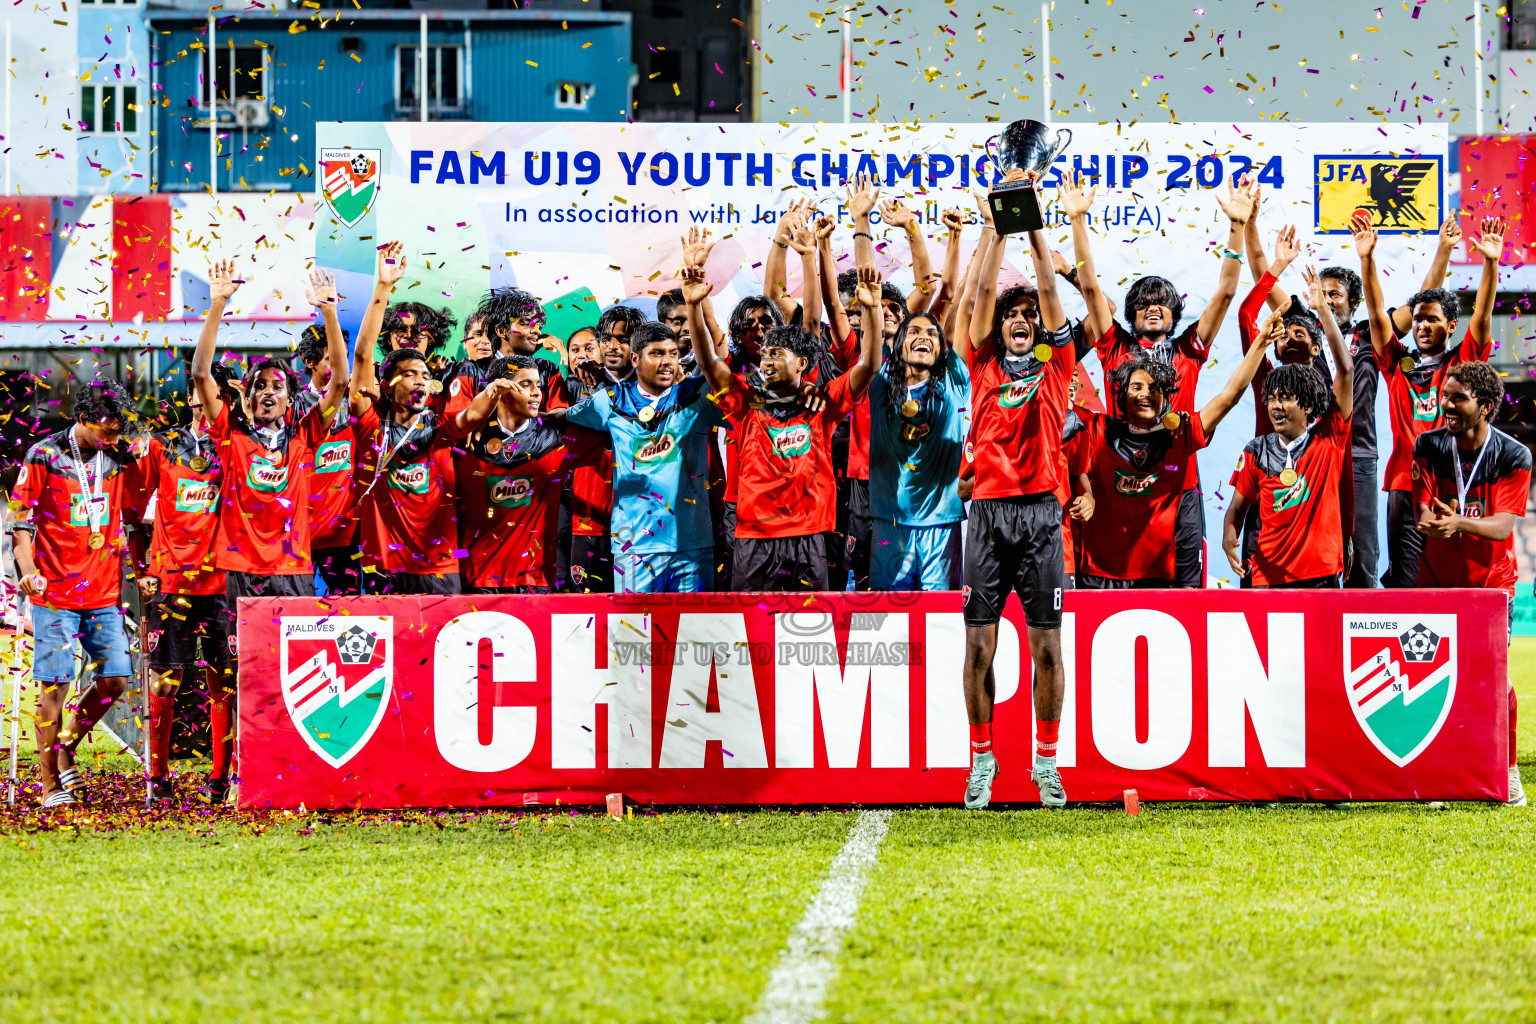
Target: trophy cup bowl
x,y
1028,146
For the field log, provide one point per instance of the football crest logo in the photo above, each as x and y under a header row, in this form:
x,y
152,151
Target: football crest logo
x,y
349,182
1400,675
337,677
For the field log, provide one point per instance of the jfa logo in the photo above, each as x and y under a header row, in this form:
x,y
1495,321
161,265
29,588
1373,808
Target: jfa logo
x,y
1401,679
1401,194
337,673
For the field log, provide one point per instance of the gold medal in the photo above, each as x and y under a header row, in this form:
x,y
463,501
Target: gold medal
x,y
493,446
1406,364
434,386
96,541
1287,477
756,402
910,408
647,414
1043,352
1172,420
199,464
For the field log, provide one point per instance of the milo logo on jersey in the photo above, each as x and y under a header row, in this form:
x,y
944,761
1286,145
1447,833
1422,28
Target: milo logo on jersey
x,y
266,475
85,511
1131,483
414,478
195,495
1290,497
1016,392
333,457
1426,403
791,441
653,451
509,491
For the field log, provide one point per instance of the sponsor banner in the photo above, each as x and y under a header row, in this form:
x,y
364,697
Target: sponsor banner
x,y
495,700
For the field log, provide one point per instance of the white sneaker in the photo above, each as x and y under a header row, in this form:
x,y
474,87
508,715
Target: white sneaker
x,y
978,785
1516,788
1048,779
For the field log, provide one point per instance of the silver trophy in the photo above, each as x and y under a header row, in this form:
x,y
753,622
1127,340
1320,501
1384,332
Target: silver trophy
x,y
1029,146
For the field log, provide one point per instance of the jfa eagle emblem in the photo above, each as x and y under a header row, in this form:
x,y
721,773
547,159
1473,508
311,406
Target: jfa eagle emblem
x,y
337,674
1400,675
1393,192
349,180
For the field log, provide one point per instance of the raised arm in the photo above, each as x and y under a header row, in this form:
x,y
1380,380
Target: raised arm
x,y
1052,316
1258,263
837,316
1343,362
1238,206
1365,247
221,288
949,276
1217,408
862,194
479,411
1076,198
868,297
696,289
775,269
390,268
898,216
322,295
1491,245
696,249
802,239
959,317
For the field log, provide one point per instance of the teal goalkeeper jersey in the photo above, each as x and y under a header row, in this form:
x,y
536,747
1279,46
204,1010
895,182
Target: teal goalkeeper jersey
x,y
914,462
660,467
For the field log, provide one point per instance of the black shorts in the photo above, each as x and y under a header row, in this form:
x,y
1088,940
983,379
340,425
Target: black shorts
x,y
1014,544
591,564
527,591
415,583
174,623
245,584
340,568
1088,581
861,529
1316,583
1189,540
780,564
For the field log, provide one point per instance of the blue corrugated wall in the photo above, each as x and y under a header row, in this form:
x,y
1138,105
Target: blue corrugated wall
x,y
503,87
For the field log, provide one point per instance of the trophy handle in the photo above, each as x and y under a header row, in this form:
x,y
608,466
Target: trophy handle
x,y
1061,144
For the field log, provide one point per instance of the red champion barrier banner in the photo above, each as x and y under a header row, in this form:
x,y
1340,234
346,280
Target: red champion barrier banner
x,y
857,698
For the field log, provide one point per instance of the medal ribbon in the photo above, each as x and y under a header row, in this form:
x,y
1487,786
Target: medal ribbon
x,y
1288,445
1462,486
90,486
389,455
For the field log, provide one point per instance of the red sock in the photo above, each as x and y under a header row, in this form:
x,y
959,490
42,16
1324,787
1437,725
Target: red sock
x,y
981,738
1514,709
1045,738
162,712
223,733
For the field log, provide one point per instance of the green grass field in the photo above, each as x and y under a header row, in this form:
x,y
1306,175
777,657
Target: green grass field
x,y
1384,912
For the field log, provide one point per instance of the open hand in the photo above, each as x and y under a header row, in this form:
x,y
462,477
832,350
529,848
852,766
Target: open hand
x,y
322,289
391,262
1491,242
696,286
1364,234
222,283
895,214
862,193
1238,204
1076,194
868,293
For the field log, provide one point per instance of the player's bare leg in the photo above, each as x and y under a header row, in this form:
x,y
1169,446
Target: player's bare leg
x,y
94,702
1049,692
47,723
162,714
980,692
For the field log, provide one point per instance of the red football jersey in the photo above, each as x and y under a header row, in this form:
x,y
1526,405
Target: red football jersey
x,y
1300,537
407,511
1075,462
333,500
264,507
1501,483
846,355
1413,401
181,554
1137,483
509,503
786,486
1186,353
1017,418
49,495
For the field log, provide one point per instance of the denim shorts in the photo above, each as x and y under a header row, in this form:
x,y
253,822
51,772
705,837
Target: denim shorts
x,y
99,631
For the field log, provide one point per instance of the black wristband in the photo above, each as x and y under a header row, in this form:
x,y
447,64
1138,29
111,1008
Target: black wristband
x,y
780,244
866,234
1071,275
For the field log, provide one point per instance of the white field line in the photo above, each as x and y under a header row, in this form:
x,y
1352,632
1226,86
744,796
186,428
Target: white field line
x,y
809,960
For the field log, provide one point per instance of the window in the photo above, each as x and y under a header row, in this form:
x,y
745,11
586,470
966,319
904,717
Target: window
x,y
109,109
572,95
242,74
443,66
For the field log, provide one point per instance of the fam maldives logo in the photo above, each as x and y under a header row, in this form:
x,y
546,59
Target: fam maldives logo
x,y
1401,680
349,181
337,675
